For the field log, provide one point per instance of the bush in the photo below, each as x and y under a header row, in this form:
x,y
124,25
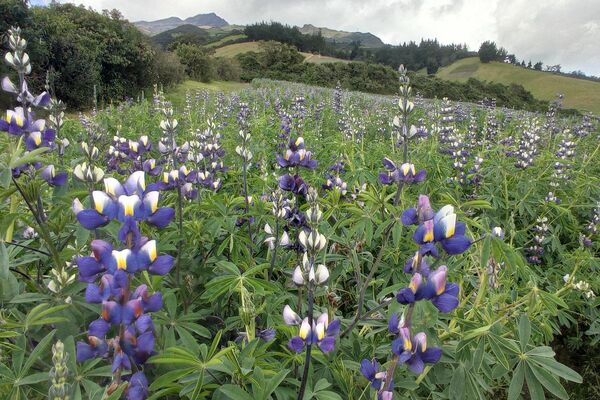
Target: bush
x,y
227,69
168,69
197,61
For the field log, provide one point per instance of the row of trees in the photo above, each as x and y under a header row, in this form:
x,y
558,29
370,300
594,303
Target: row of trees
x,y
428,54
286,34
489,51
87,52
283,62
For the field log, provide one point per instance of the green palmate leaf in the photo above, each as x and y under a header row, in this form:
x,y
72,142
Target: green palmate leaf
x,y
327,395
553,366
234,392
34,378
457,384
536,391
548,381
30,157
273,383
4,262
36,354
524,331
494,342
38,315
516,383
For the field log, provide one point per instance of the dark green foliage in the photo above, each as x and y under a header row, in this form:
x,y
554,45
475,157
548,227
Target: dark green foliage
x,y
168,68
226,69
188,34
197,61
428,54
488,51
282,62
84,50
285,34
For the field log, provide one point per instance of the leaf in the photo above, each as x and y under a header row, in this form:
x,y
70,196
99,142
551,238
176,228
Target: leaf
x,y
34,378
536,391
28,158
37,314
36,354
234,392
549,381
557,368
274,382
516,383
4,264
327,395
457,384
524,331
498,352
321,384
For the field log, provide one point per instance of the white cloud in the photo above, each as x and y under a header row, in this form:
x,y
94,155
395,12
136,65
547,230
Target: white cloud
x,y
565,32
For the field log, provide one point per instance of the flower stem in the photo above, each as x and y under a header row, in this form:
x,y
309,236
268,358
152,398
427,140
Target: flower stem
x,y
308,346
180,228
274,256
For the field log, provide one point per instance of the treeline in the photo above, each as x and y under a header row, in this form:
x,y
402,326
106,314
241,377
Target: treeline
x,y
286,34
86,52
429,54
284,62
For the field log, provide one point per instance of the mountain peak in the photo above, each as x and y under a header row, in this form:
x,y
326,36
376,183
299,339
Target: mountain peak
x,y
209,20
366,39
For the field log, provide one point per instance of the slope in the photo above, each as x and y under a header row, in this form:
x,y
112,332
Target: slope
x,y
581,94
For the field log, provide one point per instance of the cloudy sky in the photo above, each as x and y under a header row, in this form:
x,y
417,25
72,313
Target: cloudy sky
x,y
565,32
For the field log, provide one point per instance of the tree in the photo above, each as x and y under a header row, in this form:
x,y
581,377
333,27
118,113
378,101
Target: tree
x,y
488,51
538,66
432,65
529,64
196,60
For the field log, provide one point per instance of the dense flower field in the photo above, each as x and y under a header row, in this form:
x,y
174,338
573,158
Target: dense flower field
x,y
292,242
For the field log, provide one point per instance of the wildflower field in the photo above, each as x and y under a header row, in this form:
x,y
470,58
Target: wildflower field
x,y
284,241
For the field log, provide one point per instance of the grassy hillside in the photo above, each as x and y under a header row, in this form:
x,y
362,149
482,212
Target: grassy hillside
x,y
234,49
342,37
579,93
225,40
237,48
177,94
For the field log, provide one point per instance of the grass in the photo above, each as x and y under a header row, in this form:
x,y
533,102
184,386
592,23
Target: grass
x,y
225,40
579,93
238,48
319,59
177,93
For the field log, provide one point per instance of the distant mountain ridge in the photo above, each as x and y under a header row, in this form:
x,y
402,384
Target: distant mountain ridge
x,y
210,20
366,39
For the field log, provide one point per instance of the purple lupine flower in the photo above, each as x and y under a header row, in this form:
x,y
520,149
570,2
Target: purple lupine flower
x,y
127,203
405,173
322,333
54,179
294,184
297,155
443,295
152,167
95,348
449,233
370,370
138,387
423,212
414,352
